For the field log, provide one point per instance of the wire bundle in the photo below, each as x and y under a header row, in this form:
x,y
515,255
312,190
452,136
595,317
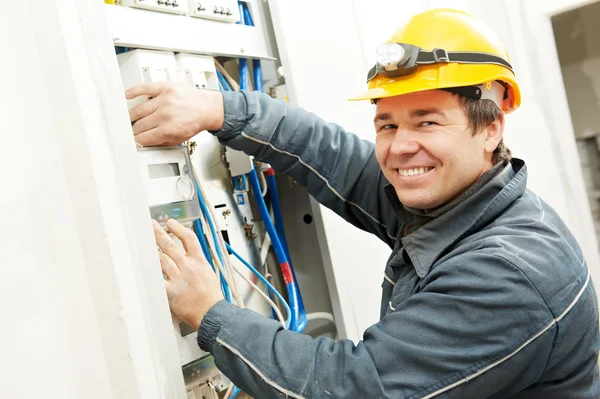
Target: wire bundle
x,y
296,316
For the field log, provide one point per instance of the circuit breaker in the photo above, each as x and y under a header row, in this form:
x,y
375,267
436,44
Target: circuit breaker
x,y
141,66
169,6
199,70
218,10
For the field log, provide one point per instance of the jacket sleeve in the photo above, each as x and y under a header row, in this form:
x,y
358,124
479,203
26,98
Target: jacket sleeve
x,y
338,168
477,328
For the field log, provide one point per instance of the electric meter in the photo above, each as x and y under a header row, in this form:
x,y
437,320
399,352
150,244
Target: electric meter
x,y
169,182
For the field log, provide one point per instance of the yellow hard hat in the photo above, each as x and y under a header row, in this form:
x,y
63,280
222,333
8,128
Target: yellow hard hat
x,y
443,49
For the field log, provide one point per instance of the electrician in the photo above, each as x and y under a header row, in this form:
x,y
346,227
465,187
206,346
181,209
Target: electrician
x,y
486,293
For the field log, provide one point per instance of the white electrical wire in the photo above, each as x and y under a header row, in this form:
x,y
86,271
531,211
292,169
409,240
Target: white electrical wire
x,y
225,267
228,392
271,303
263,183
264,249
221,267
221,241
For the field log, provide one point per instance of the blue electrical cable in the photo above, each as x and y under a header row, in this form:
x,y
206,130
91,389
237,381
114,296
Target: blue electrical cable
x,y
265,282
258,84
271,289
235,392
288,278
299,314
223,82
203,243
241,9
206,252
276,207
277,216
258,81
213,231
247,16
244,78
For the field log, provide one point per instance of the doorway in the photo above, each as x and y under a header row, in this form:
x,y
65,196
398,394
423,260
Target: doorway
x,y
576,33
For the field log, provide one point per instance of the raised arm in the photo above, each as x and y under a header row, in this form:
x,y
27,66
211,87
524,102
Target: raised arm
x,y
338,168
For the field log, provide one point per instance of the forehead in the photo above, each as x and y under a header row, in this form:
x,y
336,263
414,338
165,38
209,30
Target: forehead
x,y
428,99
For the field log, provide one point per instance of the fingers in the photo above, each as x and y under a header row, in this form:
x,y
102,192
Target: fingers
x,y
146,123
169,268
167,245
152,89
152,137
187,237
144,109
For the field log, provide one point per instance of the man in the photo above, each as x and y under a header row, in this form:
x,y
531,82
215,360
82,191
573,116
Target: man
x,y
486,293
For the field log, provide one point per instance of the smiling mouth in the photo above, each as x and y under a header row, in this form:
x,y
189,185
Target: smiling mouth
x,y
414,171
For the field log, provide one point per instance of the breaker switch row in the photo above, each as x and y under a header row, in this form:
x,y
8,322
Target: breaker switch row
x,y
222,10
167,3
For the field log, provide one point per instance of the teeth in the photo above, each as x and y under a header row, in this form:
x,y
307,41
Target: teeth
x,y
414,171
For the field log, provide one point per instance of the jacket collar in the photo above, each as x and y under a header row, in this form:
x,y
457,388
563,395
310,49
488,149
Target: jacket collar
x,y
426,244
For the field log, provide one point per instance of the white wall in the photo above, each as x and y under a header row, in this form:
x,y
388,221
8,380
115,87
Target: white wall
x,y
340,47
76,319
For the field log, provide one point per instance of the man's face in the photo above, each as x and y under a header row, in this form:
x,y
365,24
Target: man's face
x,y
426,149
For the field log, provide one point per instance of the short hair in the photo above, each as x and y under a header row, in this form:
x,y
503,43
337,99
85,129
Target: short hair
x,y
481,114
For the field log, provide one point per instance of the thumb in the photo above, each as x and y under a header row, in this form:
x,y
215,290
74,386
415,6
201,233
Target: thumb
x,y
152,89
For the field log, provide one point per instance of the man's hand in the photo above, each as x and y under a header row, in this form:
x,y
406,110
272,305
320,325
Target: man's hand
x,y
175,113
192,286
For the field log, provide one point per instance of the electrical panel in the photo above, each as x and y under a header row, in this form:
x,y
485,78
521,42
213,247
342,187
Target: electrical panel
x,y
169,184
218,10
189,182
169,6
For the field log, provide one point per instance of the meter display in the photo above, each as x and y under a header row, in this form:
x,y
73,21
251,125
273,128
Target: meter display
x,y
160,170
169,184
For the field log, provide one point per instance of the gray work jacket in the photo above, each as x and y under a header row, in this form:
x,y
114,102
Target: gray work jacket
x,y
492,299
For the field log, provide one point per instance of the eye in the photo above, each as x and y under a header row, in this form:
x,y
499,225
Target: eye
x,y
387,127
427,124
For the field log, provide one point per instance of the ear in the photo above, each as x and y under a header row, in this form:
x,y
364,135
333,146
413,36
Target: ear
x,y
494,134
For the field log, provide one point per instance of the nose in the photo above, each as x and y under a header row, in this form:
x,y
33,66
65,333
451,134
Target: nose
x,y
404,143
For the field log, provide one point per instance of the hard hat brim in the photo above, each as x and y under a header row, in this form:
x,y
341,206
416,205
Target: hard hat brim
x,y
440,77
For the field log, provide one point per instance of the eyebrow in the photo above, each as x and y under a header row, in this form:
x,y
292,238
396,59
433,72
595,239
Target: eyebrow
x,y
416,113
382,117
419,113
